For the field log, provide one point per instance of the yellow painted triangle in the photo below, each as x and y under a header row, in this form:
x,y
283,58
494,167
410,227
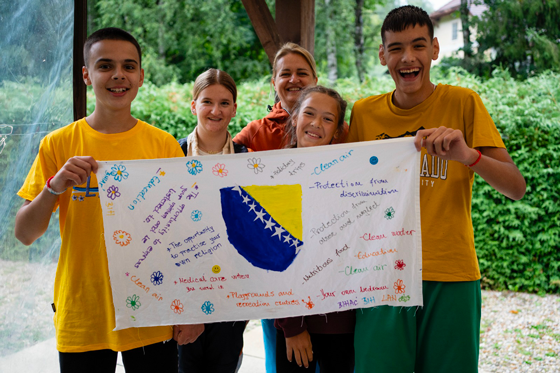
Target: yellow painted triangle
x,y
282,202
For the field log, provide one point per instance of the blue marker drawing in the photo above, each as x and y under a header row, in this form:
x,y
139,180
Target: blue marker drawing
x,y
249,229
196,215
207,308
119,172
194,167
374,160
157,278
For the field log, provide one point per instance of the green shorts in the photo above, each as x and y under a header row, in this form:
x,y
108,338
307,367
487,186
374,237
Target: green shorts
x,y
442,336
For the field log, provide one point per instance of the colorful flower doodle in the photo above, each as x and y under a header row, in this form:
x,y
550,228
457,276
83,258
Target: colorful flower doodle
x,y
399,264
81,198
399,287
309,305
119,172
389,213
194,167
133,302
196,215
157,278
255,165
404,298
122,238
113,192
220,170
207,307
177,306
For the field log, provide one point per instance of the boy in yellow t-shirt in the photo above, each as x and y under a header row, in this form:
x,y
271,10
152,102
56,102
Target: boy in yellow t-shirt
x,y
457,138
61,177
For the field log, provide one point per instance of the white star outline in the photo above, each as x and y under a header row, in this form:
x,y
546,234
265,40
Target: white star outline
x,y
270,223
260,215
279,231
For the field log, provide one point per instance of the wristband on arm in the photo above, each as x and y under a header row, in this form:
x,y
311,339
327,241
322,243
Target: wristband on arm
x,y
477,160
51,191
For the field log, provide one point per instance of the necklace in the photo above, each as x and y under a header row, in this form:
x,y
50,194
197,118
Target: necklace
x,y
210,152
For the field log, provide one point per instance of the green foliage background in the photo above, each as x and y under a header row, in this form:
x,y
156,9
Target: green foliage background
x,y
525,35
182,38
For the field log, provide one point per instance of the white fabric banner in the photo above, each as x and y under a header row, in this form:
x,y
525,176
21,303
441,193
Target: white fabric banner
x,y
263,235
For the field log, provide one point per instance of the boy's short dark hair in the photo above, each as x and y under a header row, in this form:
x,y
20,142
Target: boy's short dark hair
x,y
399,19
110,33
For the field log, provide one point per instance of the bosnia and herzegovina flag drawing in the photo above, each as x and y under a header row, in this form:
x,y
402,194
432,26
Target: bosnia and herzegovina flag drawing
x,y
264,223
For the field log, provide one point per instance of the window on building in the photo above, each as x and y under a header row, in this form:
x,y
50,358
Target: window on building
x,y
455,30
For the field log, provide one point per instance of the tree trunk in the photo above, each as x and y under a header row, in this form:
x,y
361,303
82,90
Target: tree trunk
x,y
332,66
161,31
465,25
359,47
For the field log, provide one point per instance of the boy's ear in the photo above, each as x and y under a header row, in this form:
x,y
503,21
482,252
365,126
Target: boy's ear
x,y
234,109
85,75
435,45
273,83
382,55
193,107
294,123
141,78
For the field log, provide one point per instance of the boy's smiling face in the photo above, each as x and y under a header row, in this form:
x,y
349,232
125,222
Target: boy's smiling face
x,y
408,55
114,72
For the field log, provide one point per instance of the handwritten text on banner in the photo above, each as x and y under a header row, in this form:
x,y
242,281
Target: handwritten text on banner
x,y
263,235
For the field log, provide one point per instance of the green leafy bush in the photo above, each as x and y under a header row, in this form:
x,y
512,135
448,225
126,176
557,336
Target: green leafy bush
x,y
518,243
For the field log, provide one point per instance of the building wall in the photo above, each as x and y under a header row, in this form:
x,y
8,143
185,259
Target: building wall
x,y
450,36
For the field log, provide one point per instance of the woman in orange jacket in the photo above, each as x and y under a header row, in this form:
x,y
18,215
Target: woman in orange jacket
x,y
293,70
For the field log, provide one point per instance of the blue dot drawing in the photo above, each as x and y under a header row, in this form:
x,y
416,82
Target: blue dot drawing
x,y
194,167
119,172
157,278
207,307
374,160
196,215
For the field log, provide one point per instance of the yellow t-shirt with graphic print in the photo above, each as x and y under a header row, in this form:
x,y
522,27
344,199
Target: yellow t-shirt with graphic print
x,y
85,317
448,252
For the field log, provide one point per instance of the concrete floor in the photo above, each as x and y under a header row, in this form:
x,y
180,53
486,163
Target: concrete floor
x,y
43,357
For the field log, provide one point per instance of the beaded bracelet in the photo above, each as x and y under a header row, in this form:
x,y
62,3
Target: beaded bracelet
x,y
51,191
477,160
